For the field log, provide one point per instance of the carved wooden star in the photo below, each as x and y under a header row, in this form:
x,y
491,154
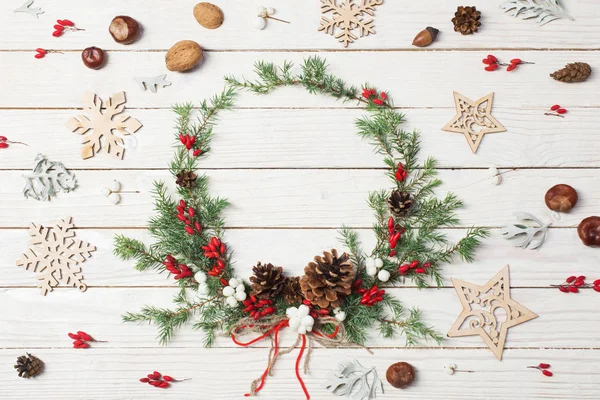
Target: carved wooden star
x,y
488,311
473,119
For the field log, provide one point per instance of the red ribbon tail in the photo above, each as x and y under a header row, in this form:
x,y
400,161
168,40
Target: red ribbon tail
x,y
297,368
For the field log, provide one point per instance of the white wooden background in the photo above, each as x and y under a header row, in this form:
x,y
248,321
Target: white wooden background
x,y
295,171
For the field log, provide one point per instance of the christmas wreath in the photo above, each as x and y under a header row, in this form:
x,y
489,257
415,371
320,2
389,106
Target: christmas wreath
x,y
341,296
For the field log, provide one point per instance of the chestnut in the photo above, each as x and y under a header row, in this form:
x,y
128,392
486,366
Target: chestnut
x,y
589,231
124,29
93,57
400,375
561,198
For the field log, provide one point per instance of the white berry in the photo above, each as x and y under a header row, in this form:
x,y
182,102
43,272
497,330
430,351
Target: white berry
x,y
496,180
383,275
202,289
270,11
450,369
114,198
228,291
105,192
259,23
371,271
340,316
231,301
370,262
241,296
261,10
240,288
200,277
233,282
378,263
115,186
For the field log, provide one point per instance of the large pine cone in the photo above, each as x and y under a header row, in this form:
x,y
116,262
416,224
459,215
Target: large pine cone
x,y
267,282
400,203
466,20
29,366
327,280
292,291
186,179
574,72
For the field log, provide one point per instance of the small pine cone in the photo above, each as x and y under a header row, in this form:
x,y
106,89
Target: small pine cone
x,y
186,179
327,280
466,20
574,72
400,203
268,281
29,366
292,291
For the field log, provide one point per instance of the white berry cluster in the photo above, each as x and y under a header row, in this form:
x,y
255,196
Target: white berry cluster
x,y
339,314
200,277
236,291
300,321
112,192
374,266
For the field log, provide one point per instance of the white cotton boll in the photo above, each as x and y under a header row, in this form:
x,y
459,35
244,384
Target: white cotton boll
x,y
259,23
240,288
241,296
383,275
200,277
114,198
378,263
371,271
291,312
270,11
340,316
228,291
115,186
233,282
105,191
231,301
303,311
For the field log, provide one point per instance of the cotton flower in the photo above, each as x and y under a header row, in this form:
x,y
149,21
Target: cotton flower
x,y
299,320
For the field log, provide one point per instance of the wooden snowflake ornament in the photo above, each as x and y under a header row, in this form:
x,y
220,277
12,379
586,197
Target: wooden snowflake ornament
x,y
103,129
346,16
55,254
488,311
473,119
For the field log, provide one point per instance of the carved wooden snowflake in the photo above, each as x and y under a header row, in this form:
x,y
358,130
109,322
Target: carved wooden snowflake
x,y
347,15
55,254
106,129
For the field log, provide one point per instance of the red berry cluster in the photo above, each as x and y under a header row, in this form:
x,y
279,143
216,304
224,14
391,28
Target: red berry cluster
x,y
400,173
189,142
258,308
4,142
156,379
179,270
542,367
371,94
82,339
557,111
215,249
63,25
371,296
492,63
394,234
573,283
186,215
415,266
314,312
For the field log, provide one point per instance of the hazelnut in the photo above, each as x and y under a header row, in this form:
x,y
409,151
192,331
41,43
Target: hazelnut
x,y
589,231
400,375
561,198
208,15
93,57
124,29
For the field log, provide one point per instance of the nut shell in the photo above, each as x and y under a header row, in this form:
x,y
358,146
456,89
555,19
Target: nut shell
x,y
208,15
561,198
93,57
183,56
124,29
400,375
589,231
425,37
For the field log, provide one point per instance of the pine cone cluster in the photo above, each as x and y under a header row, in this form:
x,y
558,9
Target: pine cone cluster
x,y
327,280
573,72
466,20
292,291
268,281
186,179
400,203
29,366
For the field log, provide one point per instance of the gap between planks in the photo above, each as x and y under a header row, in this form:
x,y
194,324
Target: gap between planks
x,y
334,50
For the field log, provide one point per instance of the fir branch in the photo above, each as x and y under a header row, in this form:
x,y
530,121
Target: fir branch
x,y
127,249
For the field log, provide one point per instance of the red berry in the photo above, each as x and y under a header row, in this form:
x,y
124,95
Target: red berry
x,y
561,111
544,366
40,50
83,346
74,336
378,102
573,289
486,61
596,288
581,278
420,270
3,138
157,374
197,152
383,96
563,289
571,279
555,107
163,385
414,264
492,58
578,283
66,22
85,336
547,373
60,21
404,269
58,27
516,61
491,67
57,33
511,67
144,380
596,282
3,145
39,55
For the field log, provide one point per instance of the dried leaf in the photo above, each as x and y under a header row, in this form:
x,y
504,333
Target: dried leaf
x,y
47,179
531,237
26,8
543,11
354,381
152,83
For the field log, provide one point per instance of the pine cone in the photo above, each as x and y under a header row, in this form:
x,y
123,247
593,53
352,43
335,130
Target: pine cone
x,y
268,281
29,366
327,280
466,20
400,203
186,179
574,72
292,291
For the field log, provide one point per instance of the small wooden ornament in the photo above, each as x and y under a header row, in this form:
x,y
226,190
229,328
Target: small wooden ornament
x,y
347,15
473,119
482,306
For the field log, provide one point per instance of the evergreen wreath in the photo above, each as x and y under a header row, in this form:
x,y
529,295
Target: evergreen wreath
x,y
340,297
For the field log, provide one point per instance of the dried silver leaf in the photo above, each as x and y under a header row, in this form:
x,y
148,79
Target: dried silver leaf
x,y
354,381
25,8
531,237
47,179
153,83
543,11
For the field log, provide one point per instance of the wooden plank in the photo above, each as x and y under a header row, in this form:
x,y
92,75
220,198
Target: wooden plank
x,y
299,198
315,139
396,25
462,72
294,248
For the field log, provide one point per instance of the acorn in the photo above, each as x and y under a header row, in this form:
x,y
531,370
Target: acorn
x,y
589,231
561,198
425,37
400,375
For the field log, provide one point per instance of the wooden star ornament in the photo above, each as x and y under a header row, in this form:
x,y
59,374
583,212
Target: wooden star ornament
x,y
473,119
488,311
